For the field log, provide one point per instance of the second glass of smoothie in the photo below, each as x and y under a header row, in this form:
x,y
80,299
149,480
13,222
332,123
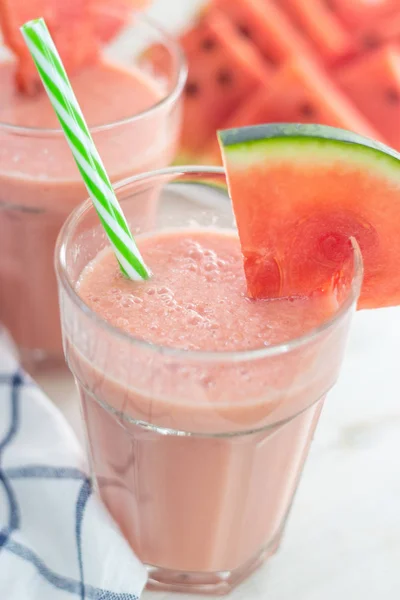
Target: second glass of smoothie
x,y
199,404
132,105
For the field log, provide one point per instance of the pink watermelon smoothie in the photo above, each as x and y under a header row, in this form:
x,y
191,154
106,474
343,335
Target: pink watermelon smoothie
x,y
40,184
199,503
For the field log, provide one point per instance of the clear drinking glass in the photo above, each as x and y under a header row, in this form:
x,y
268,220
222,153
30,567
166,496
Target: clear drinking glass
x,y
201,488
40,184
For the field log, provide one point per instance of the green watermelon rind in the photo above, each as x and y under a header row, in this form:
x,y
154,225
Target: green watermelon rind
x,y
247,145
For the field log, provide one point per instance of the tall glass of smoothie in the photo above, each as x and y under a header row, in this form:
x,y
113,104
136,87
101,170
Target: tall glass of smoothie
x,y
132,105
199,404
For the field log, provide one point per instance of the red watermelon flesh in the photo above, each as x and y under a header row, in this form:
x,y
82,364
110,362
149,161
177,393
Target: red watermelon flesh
x,y
110,17
301,92
299,193
224,68
69,23
267,26
356,13
375,34
373,83
321,27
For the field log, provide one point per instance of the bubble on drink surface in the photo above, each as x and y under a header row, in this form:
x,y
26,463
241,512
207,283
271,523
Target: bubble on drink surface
x,y
195,254
212,276
127,302
115,295
211,266
162,290
194,318
169,301
130,301
210,253
151,291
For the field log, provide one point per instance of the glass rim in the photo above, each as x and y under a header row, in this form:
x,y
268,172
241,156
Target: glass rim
x,y
169,99
196,355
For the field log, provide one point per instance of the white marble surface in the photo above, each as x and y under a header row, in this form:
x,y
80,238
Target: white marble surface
x,y
343,535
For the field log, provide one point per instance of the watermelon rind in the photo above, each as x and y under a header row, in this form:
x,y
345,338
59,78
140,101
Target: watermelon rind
x,y
248,145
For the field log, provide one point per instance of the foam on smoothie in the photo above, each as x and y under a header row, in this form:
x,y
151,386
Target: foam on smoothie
x,y
197,298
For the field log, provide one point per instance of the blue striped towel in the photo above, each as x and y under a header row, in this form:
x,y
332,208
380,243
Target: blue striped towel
x,y
57,542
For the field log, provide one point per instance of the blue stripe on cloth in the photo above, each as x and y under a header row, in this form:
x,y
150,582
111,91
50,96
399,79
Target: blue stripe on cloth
x,y
4,535
45,472
84,495
13,510
15,382
63,583
25,379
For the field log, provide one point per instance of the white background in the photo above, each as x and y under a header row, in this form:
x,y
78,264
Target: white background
x,y
343,535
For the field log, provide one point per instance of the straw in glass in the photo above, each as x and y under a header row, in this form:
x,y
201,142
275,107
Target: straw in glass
x,y
87,158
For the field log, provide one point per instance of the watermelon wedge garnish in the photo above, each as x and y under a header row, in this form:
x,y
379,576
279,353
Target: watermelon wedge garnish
x,y
300,193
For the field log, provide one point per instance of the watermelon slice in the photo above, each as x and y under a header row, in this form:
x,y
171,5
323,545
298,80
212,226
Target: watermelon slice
x,y
321,27
69,23
267,26
373,83
224,68
299,193
301,92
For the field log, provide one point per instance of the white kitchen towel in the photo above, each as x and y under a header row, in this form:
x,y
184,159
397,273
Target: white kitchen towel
x,y
57,541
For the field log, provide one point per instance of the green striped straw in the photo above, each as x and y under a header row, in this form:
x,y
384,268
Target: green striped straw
x,y
65,104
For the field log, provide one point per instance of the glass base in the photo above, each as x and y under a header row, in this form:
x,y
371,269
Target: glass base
x,y
214,583
36,361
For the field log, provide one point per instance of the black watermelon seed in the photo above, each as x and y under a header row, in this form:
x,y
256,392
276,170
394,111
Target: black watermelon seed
x,y
191,89
371,40
244,30
307,110
392,95
208,43
224,77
